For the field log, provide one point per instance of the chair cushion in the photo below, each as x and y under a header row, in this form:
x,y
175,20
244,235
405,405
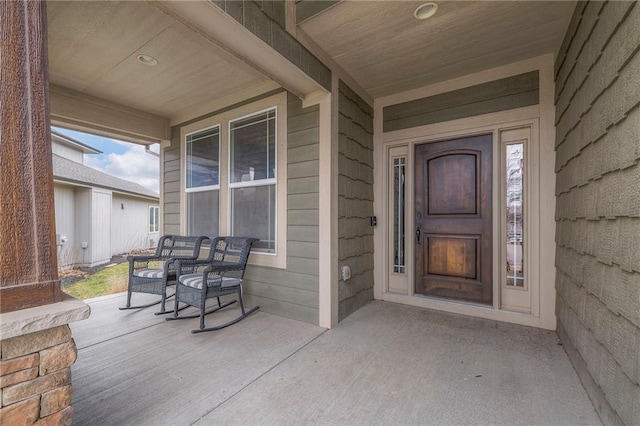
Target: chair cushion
x,y
195,281
149,273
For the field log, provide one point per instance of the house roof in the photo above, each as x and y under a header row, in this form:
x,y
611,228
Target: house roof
x,y
68,141
70,171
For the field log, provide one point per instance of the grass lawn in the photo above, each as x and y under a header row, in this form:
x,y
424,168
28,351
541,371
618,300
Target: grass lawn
x,y
112,279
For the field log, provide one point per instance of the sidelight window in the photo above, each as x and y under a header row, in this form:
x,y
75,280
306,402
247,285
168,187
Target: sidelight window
x,y
398,214
514,212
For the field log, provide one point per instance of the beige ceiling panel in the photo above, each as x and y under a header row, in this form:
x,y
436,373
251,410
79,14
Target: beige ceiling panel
x,y
87,39
389,51
93,49
186,74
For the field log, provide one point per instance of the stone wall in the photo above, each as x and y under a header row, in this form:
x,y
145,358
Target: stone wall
x,y
598,204
35,378
355,200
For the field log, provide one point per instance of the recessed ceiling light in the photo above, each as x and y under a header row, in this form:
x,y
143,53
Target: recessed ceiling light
x,y
147,60
426,10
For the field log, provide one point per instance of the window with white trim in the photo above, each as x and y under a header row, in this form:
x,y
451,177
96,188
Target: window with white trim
x,y
234,177
154,219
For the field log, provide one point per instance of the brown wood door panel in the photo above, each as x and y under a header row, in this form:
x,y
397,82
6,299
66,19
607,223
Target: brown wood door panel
x,y
453,193
452,197
452,256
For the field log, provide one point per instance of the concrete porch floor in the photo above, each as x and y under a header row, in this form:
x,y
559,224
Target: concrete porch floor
x,y
385,364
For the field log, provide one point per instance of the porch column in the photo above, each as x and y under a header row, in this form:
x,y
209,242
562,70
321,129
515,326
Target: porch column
x,y
28,271
36,348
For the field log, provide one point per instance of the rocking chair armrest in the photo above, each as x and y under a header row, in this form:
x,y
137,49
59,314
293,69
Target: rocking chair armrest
x,y
219,268
181,263
143,258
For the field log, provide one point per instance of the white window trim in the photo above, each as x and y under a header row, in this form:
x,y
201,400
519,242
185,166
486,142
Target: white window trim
x,y
157,224
279,102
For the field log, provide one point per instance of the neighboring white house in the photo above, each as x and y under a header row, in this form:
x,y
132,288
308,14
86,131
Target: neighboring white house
x,y
97,215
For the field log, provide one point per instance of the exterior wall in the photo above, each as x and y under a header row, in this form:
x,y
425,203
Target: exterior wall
x,y
67,152
96,217
83,223
130,225
64,197
355,200
100,214
170,210
598,208
290,292
293,292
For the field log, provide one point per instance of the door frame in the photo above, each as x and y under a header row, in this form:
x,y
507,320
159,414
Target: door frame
x,y
491,123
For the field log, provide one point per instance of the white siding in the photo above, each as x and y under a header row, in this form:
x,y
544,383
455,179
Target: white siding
x,y
130,224
67,152
64,197
83,223
100,227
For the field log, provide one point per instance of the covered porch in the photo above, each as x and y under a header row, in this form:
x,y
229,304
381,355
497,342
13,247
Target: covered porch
x,y
558,79
385,364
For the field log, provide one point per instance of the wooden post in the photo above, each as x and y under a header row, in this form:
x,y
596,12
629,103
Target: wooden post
x,y
28,264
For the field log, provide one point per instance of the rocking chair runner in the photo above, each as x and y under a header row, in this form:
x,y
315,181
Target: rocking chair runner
x,y
144,278
219,275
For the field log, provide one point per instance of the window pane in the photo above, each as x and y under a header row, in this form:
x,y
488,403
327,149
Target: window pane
x,y
253,148
202,213
398,215
156,218
203,167
514,212
254,215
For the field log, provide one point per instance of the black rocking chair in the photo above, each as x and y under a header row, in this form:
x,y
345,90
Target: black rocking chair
x,y
220,274
162,272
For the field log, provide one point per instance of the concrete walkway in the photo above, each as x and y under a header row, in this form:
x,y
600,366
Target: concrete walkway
x,y
385,364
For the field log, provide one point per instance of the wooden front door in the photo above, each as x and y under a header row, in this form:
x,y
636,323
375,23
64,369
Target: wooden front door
x,y
453,218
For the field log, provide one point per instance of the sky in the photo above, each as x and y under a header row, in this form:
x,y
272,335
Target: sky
x,y
125,160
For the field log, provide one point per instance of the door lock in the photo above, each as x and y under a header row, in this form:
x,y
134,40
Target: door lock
x,y
418,232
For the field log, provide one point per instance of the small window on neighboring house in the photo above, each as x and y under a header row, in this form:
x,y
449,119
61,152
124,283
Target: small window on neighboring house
x,y
154,219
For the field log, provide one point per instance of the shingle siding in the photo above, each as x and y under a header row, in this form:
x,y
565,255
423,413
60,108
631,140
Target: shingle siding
x,y
355,200
598,204
266,19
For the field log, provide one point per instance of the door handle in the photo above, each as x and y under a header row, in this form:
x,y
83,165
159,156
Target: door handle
x,y
418,232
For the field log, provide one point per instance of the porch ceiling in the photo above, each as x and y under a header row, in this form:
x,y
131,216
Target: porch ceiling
x,y
93,49
389,51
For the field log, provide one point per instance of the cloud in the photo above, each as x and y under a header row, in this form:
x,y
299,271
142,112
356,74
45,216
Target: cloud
x,y
134,164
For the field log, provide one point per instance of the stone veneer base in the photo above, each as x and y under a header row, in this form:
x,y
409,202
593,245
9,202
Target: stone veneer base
x,y
36,354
